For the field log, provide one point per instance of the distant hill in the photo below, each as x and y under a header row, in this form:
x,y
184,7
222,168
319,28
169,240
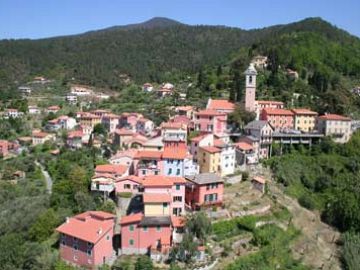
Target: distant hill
x,y
152,50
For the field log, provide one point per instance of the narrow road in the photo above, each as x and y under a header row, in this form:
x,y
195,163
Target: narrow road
x,y
49,182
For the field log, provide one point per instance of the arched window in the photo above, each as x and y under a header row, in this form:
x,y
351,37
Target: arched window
x,y
250,79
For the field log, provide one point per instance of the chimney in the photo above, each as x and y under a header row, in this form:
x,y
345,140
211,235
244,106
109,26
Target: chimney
x,y
99,231
67,219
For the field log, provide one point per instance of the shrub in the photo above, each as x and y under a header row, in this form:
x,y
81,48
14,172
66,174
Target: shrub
x,y
245,176
124,194
307,202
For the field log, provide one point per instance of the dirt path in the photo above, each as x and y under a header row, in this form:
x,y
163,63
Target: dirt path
x,y
316,246
48,180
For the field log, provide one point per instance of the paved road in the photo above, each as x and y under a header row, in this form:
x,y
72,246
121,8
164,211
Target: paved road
x,y
47,177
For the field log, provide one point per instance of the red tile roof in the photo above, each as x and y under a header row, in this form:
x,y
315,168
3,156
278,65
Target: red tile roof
x,y
161,180
40,134
89,226
156,197
53,108
208,112
183,119
244,146
174,153
148,154
124,131
104,175
335,117
211,149
133,178
75,134
270,102
184,108
303,112
95,214
199,138
221,104
272,111
134,218
259,179
111,168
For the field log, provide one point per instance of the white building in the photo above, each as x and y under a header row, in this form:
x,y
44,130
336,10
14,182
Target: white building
x,y
71,99
13,113
25,90
81,90
34,110
227,159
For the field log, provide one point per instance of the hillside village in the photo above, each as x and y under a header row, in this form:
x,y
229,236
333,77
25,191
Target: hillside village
x,y
160,175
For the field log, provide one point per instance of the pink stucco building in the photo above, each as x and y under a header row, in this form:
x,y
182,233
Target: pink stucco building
x,y
210,121
148,162
86,239
279,119
203,190
145,235
128,184
174,187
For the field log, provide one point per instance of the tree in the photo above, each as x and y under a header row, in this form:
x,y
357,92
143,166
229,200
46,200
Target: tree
x,y
199,225
143,263
240,117
78,179
351,250
44,225
100,129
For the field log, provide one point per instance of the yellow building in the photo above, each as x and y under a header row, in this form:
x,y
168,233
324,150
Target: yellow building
x,y
304,119
156,204
89,120
209,159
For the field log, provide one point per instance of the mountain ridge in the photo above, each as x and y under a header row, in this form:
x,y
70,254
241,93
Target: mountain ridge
x,y
149,50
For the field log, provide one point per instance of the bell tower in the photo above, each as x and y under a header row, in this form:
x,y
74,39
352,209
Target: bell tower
x,y
250,88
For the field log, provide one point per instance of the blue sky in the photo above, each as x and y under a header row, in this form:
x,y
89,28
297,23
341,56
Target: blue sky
x,y
46,18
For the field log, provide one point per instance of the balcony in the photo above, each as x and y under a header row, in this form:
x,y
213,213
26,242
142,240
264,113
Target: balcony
x,y
102,187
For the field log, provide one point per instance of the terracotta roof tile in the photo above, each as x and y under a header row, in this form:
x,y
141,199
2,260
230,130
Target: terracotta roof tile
x,y
148,154
211,149
335,117
221,104
303,111
134,218
111,168
272,111
89,226
156,197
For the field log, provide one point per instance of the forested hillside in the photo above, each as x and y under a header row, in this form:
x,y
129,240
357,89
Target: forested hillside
x,y
153,50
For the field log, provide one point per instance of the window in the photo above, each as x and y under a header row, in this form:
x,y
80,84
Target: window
x,y
127,186
170,171
177,187
250,79
131,242
89,252
108,237
131,228
177,211
177,199
177,171
145,229
75,247
156,172
165,205
143,171
158,228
